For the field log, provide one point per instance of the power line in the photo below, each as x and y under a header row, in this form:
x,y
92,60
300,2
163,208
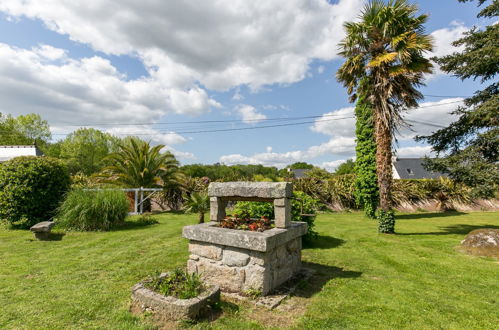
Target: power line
x,y
231,120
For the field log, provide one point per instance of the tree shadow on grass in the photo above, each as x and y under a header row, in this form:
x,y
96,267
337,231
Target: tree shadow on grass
x,y
323,242
420,216
458,229
322,275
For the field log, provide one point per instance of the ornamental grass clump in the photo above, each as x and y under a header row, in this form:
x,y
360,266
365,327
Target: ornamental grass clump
x,y
178,284
93,210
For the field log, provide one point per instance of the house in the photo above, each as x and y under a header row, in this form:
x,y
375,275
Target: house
x,y
9,152
412,168
299,172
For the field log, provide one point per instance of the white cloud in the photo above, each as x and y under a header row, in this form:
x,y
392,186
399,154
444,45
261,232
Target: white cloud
x,y
333,165
249,114
320,69
336,123
444,38
90,90
221,44
414,152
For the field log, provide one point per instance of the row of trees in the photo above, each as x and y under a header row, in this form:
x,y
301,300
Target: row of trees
x,y
385,64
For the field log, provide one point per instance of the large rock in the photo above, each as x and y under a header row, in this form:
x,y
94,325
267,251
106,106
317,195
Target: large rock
x,y
482,242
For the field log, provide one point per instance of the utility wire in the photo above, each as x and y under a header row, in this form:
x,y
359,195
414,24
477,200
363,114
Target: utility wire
x,y
231,120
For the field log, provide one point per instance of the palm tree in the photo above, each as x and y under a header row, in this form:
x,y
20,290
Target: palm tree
x,y
386,47
138,164
198,203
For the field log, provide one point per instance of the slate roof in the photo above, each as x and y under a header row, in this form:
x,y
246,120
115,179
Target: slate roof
x,y
412,168
300,173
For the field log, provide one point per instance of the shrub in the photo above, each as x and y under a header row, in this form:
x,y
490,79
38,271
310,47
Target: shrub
x,y
31,189
178,284
88,210
301,204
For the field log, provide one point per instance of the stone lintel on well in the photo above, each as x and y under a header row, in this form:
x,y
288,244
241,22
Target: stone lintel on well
x,y
255,241
251,189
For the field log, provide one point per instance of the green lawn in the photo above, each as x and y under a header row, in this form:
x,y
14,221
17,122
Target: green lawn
x,y
415,279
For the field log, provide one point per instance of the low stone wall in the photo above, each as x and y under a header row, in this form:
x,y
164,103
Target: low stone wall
x,y
238,261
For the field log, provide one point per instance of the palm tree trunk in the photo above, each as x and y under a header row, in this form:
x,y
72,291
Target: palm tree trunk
x,y
384,172
201,217
384,165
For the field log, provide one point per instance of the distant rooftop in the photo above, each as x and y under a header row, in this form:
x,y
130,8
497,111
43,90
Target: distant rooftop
x,y
412,168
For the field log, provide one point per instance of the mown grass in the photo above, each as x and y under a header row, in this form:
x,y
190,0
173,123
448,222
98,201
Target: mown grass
x,y
415,279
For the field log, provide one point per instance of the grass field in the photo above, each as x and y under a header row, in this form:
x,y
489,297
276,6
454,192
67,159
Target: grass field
x,y
414,279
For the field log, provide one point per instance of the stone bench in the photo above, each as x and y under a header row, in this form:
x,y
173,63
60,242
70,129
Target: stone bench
x,y
42,230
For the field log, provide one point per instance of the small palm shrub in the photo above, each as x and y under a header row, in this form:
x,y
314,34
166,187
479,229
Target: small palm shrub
x,y
198,203
93,210
31,189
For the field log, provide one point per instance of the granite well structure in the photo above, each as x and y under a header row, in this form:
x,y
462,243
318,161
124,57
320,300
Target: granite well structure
x,y
240,260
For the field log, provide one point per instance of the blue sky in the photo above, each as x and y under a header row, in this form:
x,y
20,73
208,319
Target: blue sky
x,y
143,70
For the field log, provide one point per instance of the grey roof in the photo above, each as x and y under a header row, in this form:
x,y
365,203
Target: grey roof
x,y
300,173
412,168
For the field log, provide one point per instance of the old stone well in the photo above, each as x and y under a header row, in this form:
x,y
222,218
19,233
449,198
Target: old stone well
x,y
240,260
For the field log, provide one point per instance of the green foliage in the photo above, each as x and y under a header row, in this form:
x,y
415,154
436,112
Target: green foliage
x,y
24,130
219,172
471,144
300,205
301,165
178,284
347,167
304,208
85,150
386,220
93,210
318,173
198,203
31,189
366,183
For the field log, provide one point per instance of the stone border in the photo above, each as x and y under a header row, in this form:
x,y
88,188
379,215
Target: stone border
x,y
256,241
171,308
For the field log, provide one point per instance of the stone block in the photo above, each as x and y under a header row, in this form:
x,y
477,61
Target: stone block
x,y
282,212
230,279
217,209
203,249
233,257
257,278
251,189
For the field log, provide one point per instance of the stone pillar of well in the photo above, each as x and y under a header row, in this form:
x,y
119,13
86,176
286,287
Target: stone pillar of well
x,y
239,260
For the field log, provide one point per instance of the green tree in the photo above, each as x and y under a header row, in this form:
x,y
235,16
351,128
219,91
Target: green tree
x,y
301,166
198,203
366,187
386,46
347,167
24,130
85,150
471,144
138,164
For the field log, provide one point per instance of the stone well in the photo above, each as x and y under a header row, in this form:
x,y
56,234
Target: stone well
x,y
240,260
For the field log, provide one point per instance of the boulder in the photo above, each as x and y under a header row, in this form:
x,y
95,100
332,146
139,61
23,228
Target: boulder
x,y
482,242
